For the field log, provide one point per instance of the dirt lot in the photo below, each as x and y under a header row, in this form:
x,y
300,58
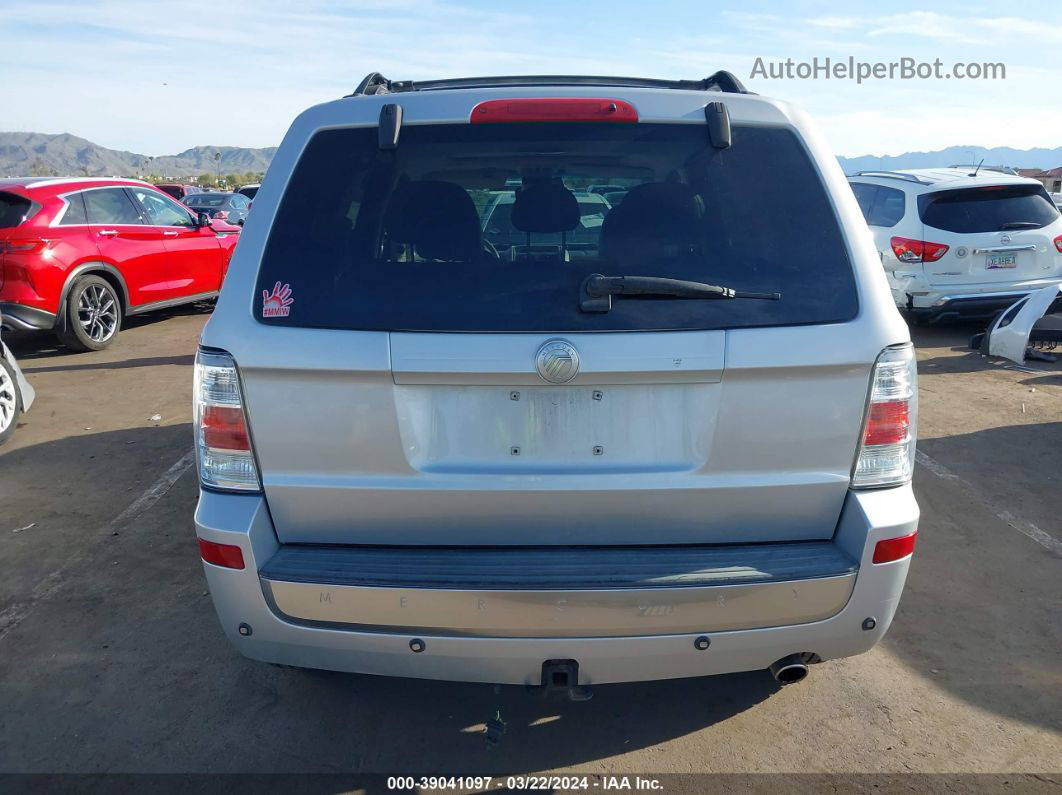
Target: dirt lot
x,y
111,659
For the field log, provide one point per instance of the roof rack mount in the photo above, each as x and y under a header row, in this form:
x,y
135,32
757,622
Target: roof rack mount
x,y
376,83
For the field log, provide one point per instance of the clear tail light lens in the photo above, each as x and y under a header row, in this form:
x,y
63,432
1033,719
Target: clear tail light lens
x,y
917,251
887,449
223,444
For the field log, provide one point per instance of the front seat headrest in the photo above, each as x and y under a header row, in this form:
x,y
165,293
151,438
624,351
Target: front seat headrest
x,y
438,218
545,207
657,220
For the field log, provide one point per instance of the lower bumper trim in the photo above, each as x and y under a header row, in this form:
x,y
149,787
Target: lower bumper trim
x,y
552,613
25,318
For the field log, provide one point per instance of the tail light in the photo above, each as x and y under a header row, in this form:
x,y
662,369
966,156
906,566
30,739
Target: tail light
x,y
27,246
892,548
915,251
1058,244
887,449
223,444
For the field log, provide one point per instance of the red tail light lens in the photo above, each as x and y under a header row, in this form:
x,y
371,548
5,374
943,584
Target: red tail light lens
x,y
522,111
915,251
225,555
894,548
1058,243
224,428
887,423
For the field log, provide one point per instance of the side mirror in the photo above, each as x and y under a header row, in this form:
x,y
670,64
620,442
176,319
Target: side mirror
x,y
202,219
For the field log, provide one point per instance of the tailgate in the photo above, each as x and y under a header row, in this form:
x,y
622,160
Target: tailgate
x,y
659,439
997,234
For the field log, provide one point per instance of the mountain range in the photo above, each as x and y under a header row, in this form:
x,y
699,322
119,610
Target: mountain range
x,y
954,155
36,154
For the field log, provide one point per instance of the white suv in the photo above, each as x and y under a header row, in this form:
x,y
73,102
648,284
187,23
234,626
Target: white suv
x,y
960,243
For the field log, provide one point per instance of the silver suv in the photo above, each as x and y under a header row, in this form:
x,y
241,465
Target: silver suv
x,y
670,437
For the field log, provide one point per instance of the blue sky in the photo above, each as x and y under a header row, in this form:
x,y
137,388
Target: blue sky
x,y
156,78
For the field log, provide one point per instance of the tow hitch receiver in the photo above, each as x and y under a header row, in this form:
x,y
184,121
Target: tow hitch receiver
x,y
561,677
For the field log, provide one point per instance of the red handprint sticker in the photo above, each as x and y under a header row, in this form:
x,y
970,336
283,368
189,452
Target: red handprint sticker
x,y
278,303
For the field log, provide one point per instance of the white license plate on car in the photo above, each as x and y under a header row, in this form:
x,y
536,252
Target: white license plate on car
x,y
1001,261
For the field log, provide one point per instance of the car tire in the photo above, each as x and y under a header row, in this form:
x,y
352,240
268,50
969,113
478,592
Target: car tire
x,y
92,316
10,401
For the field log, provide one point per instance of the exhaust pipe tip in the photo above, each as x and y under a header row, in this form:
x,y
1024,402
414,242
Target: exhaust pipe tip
x,y
790,670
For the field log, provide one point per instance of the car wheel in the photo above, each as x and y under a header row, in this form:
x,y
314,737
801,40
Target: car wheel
x,y
93,315
10,401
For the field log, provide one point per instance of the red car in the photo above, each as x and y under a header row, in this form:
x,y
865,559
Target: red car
x,y
178,190
77,255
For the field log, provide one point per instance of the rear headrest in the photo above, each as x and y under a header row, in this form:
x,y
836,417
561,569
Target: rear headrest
x,y
545,207
438,218
657,220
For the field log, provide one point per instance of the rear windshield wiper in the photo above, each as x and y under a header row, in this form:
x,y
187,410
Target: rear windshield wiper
x,y
595,294
1020,225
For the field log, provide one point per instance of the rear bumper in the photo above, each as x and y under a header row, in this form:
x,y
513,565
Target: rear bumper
x,y
25,318
939,307
462,652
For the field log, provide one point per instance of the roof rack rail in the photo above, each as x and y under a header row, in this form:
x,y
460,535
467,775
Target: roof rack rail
x,y
998,169
376,83
892,175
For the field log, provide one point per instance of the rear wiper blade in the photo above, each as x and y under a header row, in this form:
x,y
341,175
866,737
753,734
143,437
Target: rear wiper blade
x,y
595,294
1020,225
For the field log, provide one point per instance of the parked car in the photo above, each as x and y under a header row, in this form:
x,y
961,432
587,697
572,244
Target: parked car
x,y
16,394
959,245
179,191
229,207
78,255
1057,199
250,191
687,452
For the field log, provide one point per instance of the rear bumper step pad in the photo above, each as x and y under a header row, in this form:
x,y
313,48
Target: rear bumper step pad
x,y
559,592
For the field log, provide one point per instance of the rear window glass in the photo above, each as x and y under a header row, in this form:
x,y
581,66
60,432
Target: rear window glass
x,y
75,211
493,228
881,206
14,209
110,206
992,208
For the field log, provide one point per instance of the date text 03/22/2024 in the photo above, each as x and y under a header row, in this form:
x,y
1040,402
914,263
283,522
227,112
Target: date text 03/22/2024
x,y
531,783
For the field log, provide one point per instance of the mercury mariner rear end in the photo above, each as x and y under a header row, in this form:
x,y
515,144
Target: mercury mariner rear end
x,y
460,417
